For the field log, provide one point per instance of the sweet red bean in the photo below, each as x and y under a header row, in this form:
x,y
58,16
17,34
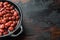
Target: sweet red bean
x,y
5,3
8,15
11,7
17,17
15,13
6,18
8,5
11,28
10,18
6,32
1,30
12,25
7,24
2,26
1,14
1,4
13,18
3,21
1,33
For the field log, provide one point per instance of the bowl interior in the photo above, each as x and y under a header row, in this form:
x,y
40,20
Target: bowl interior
x,y
18,24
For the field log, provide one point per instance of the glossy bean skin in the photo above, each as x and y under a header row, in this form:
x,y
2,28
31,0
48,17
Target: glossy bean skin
x,y
6,32
1,30
10,28
1,33
2,26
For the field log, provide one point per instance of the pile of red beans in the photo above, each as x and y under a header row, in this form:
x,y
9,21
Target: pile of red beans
x,y
8,18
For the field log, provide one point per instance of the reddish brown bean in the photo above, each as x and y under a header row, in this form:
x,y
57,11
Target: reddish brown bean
x,y
11,7
14,22
12,11
5,6
2,26
6,32
1,14
8,8
5,3
1,30
1,33
10,28
17,17
15,13
13,17
1,4
2,9
10,18
3,21
8,15
8,11
0,21
10,22
6,18
8,5
7,24
12,25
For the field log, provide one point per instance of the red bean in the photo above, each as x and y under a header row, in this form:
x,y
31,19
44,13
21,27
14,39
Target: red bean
x,y
7,11
7,8
1,14
6,32
1,3
10,22
3,21
2,26
1,30
17,17
12,25
2,9
8,15
1,33
13,18
15,13
0,21
10,18
12,11
7,24
11,28
14,22
11,7
6,18
5,3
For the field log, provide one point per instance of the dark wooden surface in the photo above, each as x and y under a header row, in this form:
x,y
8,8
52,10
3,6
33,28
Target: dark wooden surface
x,y
36,22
